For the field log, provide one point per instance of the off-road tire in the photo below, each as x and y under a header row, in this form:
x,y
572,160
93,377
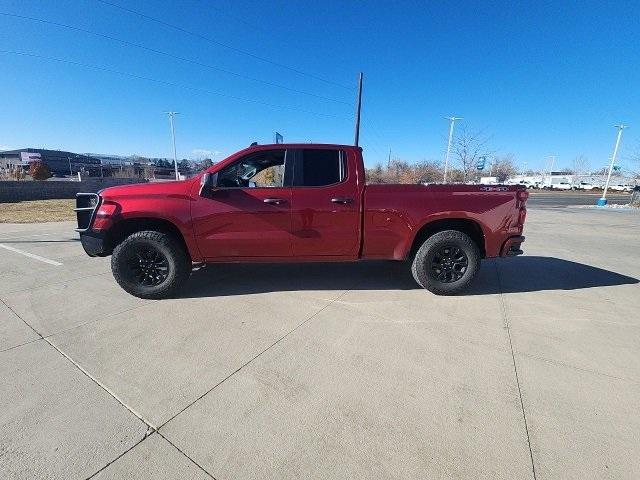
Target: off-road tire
x,y
427,276
175,261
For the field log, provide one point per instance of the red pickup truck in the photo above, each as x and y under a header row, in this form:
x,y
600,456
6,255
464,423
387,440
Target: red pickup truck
x,y
297,203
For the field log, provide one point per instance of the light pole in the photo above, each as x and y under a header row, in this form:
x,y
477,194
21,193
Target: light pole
x,y
551,164
446,158
603,201
173,138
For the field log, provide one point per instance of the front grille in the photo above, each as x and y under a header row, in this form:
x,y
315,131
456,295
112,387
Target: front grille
x,y
86,206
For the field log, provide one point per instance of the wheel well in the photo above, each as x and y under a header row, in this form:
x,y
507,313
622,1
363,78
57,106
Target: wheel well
x,y
124,228
463,225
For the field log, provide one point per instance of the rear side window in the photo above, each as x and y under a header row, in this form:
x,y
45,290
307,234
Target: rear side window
x,y
315,168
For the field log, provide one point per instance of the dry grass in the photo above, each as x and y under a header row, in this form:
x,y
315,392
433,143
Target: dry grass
x,y
35,211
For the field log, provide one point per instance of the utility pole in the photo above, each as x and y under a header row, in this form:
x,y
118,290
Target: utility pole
x,y
446,158
603,201
173,138
389,159
70,171
358,106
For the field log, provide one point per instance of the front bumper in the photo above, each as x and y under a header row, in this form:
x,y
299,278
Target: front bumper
x,y
94,244
511,247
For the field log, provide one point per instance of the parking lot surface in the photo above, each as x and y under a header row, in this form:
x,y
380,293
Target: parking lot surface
x,y
326,370
550,199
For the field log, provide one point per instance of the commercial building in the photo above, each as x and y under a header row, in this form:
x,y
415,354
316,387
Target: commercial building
x,y
59,162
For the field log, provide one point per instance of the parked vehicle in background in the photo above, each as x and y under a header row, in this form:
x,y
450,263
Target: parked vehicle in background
x,y
557,182
298,203
525,181
488,180
561,186
584,186
621,187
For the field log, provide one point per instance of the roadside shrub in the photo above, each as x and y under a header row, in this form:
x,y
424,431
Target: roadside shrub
x,y
39,170
127,171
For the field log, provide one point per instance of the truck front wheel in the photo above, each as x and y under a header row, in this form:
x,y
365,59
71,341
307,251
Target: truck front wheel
x,y
446,262
150,264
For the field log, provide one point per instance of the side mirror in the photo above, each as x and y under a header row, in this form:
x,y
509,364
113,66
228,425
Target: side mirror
x,y
208,183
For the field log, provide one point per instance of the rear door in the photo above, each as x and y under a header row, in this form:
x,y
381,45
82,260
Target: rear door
x,y
325,205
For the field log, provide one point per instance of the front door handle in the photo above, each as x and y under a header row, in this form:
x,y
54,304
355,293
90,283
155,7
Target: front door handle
x,y
342,200
274,201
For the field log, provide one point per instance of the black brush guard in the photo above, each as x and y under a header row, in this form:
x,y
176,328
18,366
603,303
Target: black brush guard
x,y
86,206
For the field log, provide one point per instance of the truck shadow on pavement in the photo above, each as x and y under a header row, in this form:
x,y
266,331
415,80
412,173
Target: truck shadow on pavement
x,y
534,274
519,274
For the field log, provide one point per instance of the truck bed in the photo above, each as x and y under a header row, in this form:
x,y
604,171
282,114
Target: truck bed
x,y
394,214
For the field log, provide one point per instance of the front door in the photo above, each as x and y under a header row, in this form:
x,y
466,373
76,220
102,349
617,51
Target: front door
x,y
248,213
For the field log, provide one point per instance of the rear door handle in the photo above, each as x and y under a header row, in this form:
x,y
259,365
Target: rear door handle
x,y
274,201
342,200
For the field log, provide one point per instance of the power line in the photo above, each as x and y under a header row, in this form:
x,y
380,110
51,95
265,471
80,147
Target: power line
x,y
224,45
171,84
370,141
171,55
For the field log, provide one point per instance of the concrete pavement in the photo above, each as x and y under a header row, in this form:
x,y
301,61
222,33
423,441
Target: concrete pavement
x,y
327,371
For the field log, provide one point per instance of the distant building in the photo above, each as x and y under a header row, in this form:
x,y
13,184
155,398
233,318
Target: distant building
x,y
62,163
58,161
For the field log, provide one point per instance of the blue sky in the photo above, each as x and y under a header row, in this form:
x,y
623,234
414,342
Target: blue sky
x,y
540,78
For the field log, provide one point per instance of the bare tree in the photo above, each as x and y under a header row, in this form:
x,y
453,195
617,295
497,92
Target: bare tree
x,y
504,167
375,174
634,157
399,171
428,172
467,149
580,165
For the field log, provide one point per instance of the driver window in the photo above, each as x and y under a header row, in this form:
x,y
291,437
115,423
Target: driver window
x,y
261,169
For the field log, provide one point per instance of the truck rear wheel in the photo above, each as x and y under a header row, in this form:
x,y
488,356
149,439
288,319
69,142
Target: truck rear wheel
x,y
446,262
150,264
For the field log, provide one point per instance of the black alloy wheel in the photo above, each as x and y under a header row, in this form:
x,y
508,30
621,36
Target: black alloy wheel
x,y
449,264
149,266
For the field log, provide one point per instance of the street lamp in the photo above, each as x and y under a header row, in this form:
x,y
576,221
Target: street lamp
x,y
452,120
603,201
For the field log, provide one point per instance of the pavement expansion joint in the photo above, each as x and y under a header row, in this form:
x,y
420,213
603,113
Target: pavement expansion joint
x,y
505,317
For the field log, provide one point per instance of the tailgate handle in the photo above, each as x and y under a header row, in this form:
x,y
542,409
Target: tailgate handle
x,y
342,200
274,201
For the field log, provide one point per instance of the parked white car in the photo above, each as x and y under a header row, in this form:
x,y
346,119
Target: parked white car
x,y
584,186
621,187
561,186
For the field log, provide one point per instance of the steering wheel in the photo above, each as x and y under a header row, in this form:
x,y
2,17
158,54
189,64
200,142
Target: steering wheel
x,y
229,182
